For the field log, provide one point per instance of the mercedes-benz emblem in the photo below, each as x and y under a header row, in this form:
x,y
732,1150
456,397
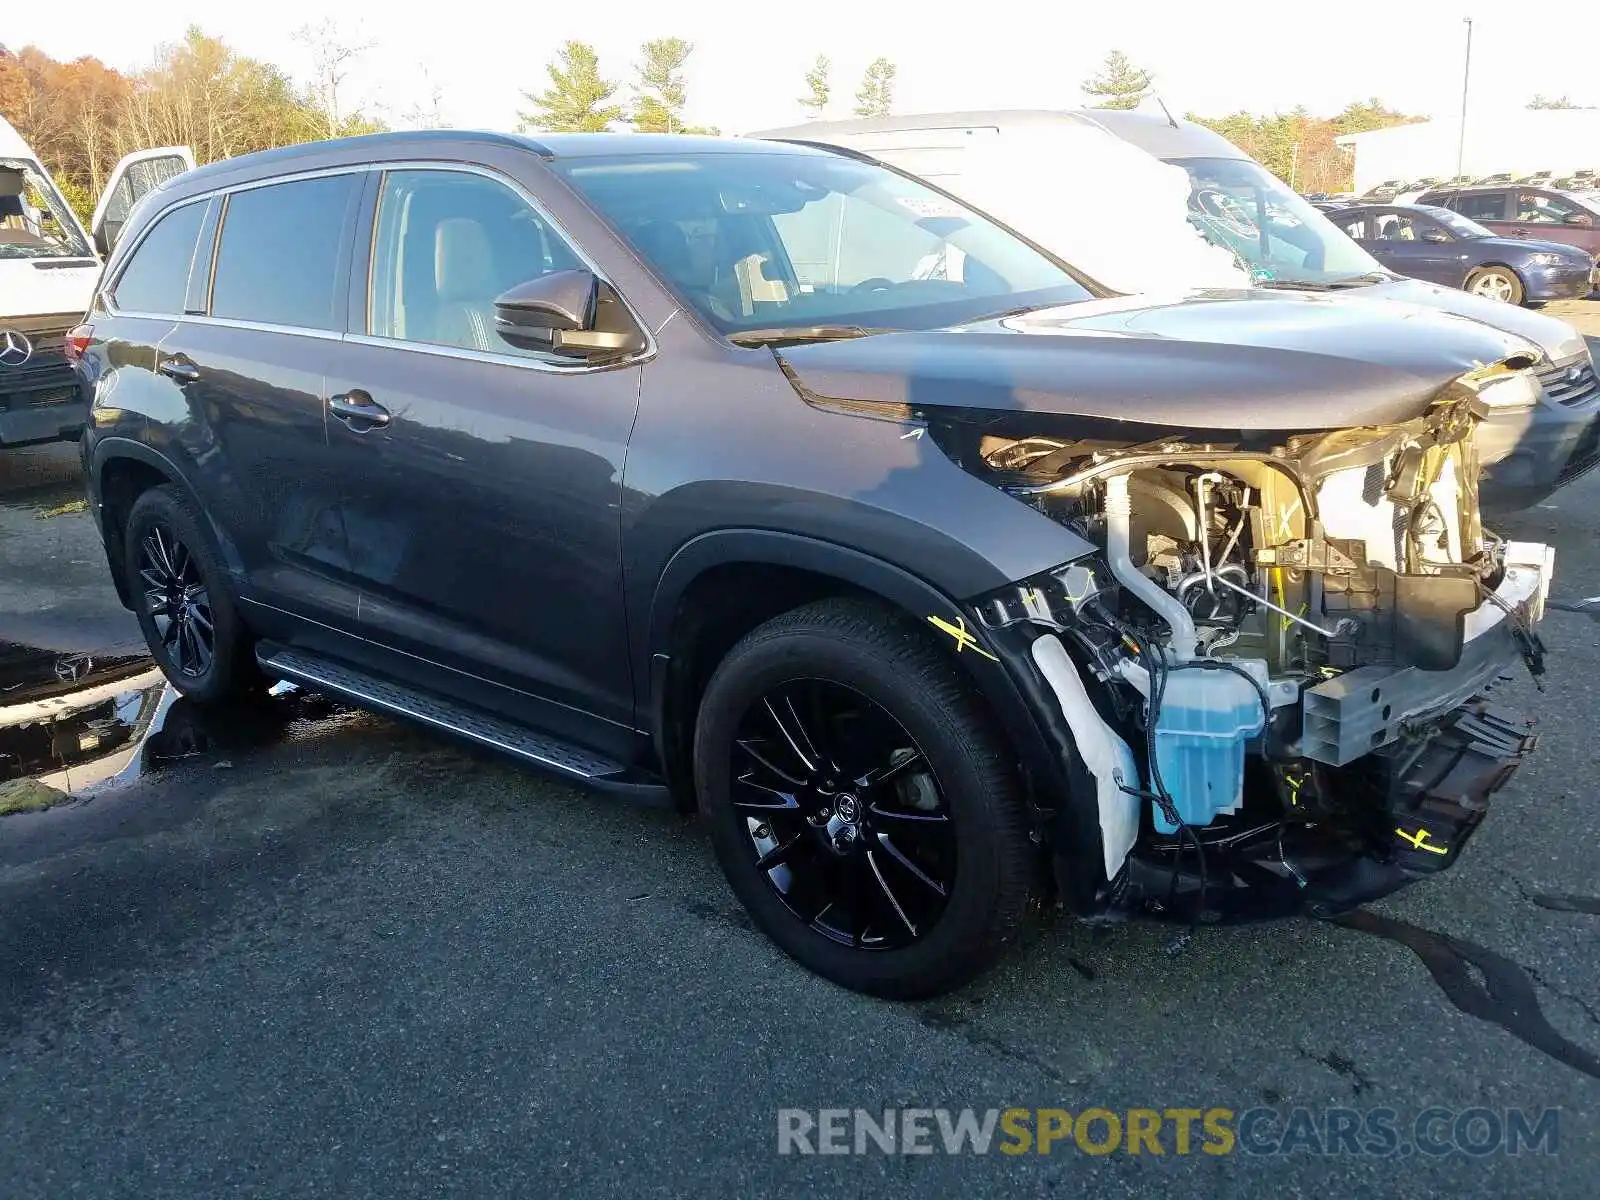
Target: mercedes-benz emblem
x,y
73,667
14,348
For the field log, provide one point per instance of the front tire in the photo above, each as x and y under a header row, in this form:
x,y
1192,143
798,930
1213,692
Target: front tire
x,y
1496,283
861,804
180,594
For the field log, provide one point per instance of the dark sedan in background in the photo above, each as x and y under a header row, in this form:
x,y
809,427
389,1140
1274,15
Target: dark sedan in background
x,y
1436,244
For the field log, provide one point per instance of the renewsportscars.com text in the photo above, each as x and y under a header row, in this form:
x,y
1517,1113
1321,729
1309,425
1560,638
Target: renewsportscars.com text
x,y
1378,1132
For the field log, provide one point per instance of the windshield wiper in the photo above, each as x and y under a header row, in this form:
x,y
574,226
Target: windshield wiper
x,y
1326,285
794,335
1364,279
1293,285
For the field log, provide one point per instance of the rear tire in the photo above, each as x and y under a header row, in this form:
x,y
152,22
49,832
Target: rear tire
x,y
1495,282
180,594
841,747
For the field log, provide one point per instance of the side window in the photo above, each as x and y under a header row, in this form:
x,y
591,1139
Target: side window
x,y
447,244
1355,227
278,257
140,179
157,276
1535,208
1485,206
1394,227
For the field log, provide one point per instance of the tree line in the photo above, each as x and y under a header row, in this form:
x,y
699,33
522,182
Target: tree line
x,y
81,116
581,99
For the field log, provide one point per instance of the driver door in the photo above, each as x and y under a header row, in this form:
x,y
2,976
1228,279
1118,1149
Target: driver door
x,y
134,177
1421,248
1550,218
482,482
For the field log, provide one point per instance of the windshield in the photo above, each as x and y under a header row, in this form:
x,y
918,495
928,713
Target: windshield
x,y
766,240
1457,224
35,221
1276,234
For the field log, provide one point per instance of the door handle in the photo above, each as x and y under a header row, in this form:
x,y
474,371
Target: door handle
x,y
358,410
180,369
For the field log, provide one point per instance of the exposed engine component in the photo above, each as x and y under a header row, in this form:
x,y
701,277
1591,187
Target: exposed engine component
x,y
1285,601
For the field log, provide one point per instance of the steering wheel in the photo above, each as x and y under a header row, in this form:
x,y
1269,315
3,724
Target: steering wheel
x,y
876,284
1226,211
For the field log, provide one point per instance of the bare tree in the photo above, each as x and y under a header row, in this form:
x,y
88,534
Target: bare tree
x,y
427,113
333,52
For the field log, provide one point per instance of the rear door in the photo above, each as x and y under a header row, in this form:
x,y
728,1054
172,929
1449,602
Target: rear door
x,y
1489,207
1360,226
134,177
250,356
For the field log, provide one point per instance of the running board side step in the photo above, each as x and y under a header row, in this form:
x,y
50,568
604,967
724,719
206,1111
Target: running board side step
x,y
368,691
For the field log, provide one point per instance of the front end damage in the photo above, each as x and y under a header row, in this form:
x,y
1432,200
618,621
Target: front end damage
x,y
1272,675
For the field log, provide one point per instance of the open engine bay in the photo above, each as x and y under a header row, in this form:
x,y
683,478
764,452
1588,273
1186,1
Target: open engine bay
x,y
1274,668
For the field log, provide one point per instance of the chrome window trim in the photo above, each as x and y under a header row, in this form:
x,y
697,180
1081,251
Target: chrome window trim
x,y
577,367
324,335
369,339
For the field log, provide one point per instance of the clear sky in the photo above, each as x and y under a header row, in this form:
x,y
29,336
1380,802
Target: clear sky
x,y
749,59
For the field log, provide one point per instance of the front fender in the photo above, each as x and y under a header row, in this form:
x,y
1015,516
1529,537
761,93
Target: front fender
x,y
997,663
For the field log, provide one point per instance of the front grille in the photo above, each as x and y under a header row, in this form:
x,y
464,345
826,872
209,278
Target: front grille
x,y
43,379
1570,384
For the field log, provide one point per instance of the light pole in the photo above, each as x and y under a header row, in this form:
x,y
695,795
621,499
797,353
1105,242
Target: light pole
x,y
1466,78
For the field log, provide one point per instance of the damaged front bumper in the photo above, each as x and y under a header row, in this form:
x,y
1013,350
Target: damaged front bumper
x,y
1433,798
1411,756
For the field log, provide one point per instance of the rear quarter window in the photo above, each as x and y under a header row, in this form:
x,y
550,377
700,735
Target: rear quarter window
x,y
157,275
278,258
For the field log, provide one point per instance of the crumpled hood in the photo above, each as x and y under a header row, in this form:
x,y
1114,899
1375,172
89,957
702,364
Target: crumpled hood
x,y
1559,340
1224,360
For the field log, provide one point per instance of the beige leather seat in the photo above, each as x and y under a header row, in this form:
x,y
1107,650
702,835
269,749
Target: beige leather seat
x,y
463,279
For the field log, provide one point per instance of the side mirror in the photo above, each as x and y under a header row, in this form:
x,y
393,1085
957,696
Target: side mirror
x,y
571,313
1579,218
1435,235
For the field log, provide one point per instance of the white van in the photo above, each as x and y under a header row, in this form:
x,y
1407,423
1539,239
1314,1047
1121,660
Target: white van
x,y
48,271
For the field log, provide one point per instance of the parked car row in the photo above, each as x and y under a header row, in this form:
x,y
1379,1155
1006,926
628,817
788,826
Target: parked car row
x,y
1440,244
1400,191
770,480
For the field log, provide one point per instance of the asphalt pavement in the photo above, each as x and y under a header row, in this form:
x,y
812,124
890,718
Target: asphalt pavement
x,y
304,951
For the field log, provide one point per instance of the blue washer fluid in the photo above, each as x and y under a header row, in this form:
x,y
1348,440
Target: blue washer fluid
x,y
1207,715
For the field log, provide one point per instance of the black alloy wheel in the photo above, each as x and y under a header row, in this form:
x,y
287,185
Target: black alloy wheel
x,y
844,816
174,580
177,601
863,805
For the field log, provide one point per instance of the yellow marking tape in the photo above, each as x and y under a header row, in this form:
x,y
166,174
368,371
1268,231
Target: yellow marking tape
x,y
964,638
1419,840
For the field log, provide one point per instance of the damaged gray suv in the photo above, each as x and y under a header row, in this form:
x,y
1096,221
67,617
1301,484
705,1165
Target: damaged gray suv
x,y
771,481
